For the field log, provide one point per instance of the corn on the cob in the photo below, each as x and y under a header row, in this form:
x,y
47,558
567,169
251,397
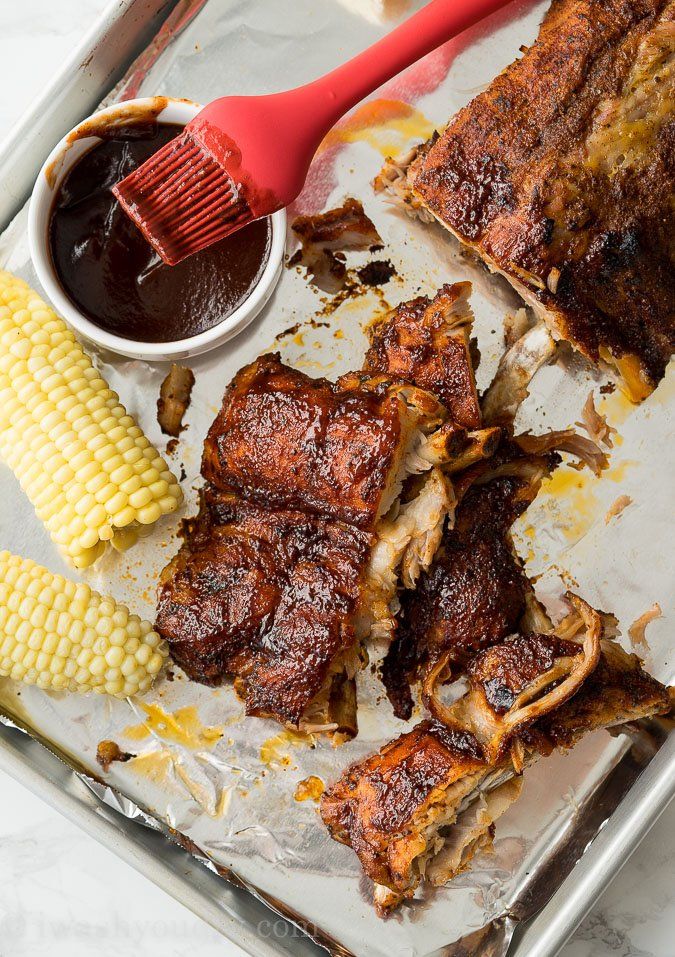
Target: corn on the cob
x,y
61,635
90,472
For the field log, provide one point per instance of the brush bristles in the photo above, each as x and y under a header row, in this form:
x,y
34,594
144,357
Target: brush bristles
x,y
182,200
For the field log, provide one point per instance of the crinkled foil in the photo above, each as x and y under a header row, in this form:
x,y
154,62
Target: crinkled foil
x,y
226,784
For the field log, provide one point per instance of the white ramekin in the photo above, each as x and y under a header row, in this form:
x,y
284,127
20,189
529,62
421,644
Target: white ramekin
x,y
57,164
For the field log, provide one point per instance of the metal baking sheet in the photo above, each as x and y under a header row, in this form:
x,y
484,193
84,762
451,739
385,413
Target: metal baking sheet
x,y
255,830
122,32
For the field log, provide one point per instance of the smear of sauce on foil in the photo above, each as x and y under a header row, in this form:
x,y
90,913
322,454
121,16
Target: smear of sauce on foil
x,y
183,727
275,751
309,789
121,116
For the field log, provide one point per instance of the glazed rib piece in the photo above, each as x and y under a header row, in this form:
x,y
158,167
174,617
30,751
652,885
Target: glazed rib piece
x,y
560,176
271,597
379,806
426,342
285,440
293,558
475,592
422,807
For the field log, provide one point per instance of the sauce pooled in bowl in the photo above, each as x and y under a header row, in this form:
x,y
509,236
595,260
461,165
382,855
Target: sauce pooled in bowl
x,y
111,273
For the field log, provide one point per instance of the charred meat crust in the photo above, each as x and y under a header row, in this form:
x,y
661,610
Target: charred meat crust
x,y
505,670
345,227
391,807
422,342
472,596
263,595
288,441
560,175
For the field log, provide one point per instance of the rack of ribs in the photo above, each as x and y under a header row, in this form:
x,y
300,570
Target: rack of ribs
x,y
560,177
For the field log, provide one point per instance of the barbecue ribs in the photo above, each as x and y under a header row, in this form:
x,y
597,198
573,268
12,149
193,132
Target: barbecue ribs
x,y
560,176
427,802
293,559
475,592
426,342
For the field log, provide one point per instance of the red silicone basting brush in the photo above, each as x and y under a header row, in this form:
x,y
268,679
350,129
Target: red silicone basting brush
x,y
243,157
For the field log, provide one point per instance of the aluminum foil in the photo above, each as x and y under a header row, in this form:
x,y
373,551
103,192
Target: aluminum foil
x,y
231,787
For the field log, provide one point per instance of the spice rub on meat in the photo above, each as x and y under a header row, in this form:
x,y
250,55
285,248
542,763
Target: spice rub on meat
x,y
276,583
426,342
286,440
427,802
560,176
475,592
268,596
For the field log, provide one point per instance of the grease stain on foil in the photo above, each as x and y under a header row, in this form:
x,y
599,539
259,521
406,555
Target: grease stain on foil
x,y
579,507
617,408
275,751
570,496
154,766
309,789
183,727
528,535
190,777
385,125
10,701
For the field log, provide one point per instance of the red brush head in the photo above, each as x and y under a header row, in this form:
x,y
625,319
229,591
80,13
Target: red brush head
x,y
183,200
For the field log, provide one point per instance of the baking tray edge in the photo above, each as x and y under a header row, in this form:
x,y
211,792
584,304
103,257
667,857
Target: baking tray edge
x,y
546,933
123,29
169,866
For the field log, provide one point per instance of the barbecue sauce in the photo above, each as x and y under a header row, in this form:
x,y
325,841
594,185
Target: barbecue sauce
x,y
112,274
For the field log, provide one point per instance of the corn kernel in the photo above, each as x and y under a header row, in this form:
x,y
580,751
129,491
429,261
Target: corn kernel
x,y
61,635
80,458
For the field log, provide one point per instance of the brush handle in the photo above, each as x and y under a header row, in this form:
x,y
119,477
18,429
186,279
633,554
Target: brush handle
x,y
435,24
268,141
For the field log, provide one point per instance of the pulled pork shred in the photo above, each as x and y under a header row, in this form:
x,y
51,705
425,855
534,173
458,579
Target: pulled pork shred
x,y
637,630
585,450
596,424
617,507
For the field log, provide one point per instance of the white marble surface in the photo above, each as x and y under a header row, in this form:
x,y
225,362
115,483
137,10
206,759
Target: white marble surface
x,y
63,894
